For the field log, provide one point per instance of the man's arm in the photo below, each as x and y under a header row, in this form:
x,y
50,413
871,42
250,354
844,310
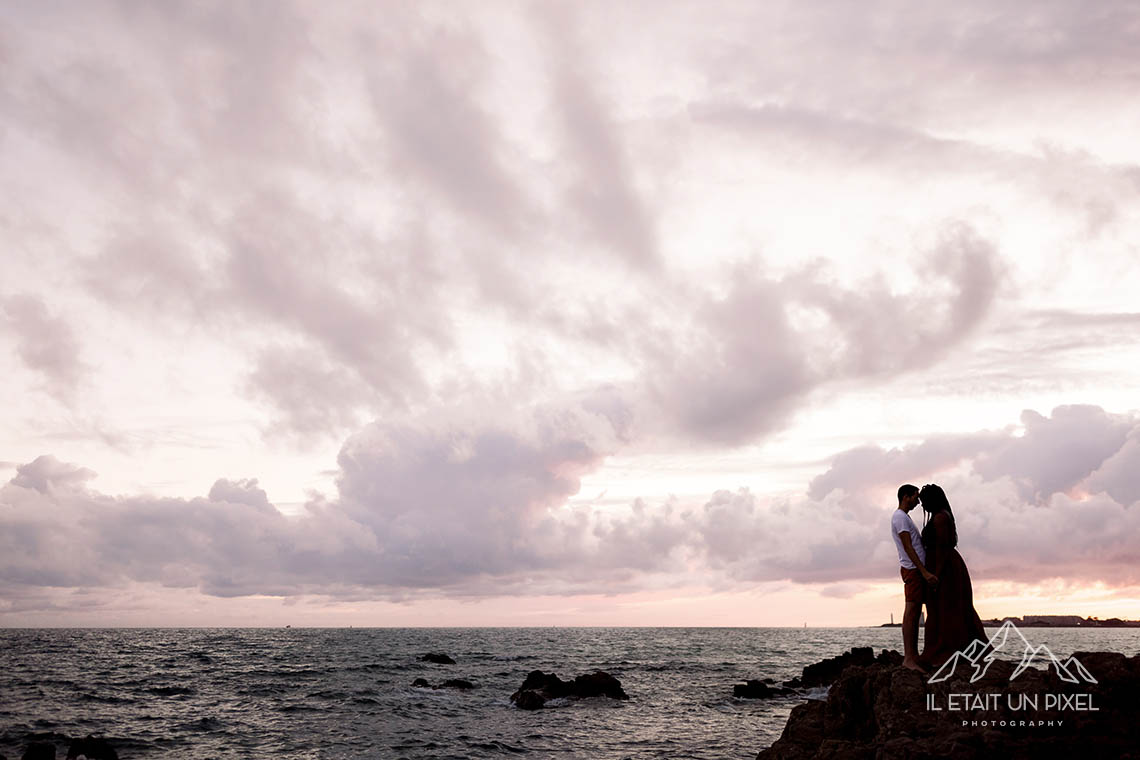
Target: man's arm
x,y
930,577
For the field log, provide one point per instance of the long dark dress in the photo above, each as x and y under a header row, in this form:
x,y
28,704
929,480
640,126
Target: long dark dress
x,y
951,621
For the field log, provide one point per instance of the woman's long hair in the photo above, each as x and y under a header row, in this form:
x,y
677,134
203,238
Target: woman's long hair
x,y
934,500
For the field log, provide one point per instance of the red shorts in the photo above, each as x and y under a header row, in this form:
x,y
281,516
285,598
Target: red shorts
x,y
913,585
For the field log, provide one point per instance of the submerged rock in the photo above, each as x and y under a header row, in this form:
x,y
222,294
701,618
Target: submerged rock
x,y
760,689
437,657
880,711
540,687
451,683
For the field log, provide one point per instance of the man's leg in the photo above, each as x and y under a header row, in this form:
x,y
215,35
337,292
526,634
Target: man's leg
x,y
910,635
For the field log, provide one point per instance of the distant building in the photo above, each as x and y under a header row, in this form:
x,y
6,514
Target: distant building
x,y
1059,620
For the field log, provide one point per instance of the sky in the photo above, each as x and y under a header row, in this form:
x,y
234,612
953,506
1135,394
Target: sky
x,y
540,313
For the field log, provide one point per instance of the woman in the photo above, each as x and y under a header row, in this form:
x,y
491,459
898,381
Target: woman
x,y
951,621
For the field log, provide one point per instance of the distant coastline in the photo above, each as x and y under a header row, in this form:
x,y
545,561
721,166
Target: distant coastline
x,y
1052,621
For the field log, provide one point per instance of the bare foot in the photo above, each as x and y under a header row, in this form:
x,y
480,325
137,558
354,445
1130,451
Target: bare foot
x,y
914,665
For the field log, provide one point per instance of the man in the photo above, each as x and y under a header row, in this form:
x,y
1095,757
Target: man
x,y
912,565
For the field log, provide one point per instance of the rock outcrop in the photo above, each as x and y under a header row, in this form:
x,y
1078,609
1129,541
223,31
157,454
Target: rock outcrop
x,y
540,687
879,711
438,658
825,672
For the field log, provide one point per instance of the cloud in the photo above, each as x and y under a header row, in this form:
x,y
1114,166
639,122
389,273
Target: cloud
x,y
868,467
603,191
842,590
800,139
351,192
313,395
47,473
354,196
741,365
1118,475
1026,510
440,506
46,343
1056,454
435,129
480,508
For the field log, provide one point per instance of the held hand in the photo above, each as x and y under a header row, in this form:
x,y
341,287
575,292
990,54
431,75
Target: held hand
x,y
931,580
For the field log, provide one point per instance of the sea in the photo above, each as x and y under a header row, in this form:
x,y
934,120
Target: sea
x,y
196,693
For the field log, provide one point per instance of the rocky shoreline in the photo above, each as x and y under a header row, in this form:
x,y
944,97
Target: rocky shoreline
x,y
880,711
863,706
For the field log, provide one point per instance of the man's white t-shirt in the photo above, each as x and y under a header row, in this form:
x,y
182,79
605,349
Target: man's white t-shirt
x,y
901,523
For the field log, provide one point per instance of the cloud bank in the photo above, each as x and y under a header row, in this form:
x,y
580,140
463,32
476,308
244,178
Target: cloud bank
x,y
477,509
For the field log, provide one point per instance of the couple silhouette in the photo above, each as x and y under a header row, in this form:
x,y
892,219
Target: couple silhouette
x,y
933,574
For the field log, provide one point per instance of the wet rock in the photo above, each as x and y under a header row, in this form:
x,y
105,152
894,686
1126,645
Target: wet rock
x,y
760,689
879,711
421,683
92,748
437,657
528,700
540,687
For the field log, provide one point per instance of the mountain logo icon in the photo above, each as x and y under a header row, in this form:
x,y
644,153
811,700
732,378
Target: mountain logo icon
x,y
1009,639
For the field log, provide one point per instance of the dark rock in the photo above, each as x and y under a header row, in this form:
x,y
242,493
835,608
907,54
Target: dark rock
x,y
759,689
437,657
421,683
828,670
93,748
889,657
547,683
598,684
528,700
878,711
540,687
824,672
39,751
